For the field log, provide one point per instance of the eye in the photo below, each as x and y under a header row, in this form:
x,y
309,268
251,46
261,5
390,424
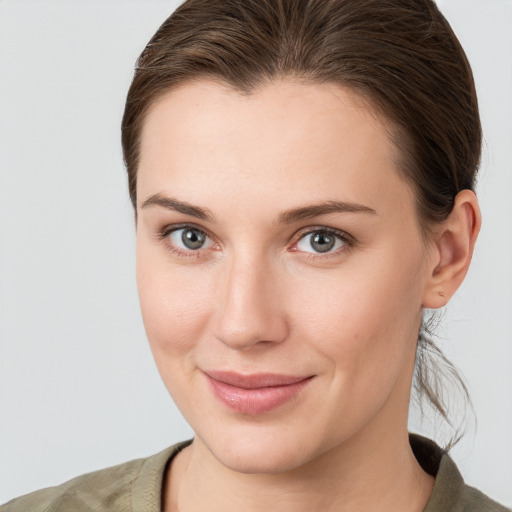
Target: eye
x,y
190,239
321,241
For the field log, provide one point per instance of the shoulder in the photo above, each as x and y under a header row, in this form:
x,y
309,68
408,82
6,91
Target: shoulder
x,y
134,485
450,493
464,498
472,500
86,492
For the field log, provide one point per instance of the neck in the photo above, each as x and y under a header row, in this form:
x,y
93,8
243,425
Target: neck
x,y
359,475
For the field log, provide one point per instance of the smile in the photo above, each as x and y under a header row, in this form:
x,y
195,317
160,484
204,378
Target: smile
x,y
254,394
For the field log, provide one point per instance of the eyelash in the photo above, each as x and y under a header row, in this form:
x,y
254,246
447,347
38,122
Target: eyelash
x,y
164,234
347,240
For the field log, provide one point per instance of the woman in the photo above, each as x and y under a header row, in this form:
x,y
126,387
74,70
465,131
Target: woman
x,y
302,178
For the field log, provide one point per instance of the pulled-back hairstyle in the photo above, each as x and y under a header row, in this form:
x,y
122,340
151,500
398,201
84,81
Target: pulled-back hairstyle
x,y
401,56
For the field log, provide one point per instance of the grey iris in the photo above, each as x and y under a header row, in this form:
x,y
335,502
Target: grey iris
x,y
193,238
322,241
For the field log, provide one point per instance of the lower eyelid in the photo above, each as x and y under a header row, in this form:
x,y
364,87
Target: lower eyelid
x,y
330,251
207,239
164,235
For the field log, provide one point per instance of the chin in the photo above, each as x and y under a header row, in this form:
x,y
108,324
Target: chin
x,y
263,450
262,460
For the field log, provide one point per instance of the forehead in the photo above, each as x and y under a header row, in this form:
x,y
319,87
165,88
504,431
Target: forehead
x,y
201,105
305,139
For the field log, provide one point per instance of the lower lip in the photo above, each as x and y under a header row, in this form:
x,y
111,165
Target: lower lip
x,y
258,400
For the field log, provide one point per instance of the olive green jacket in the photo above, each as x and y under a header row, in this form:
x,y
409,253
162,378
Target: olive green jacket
x,y
136,486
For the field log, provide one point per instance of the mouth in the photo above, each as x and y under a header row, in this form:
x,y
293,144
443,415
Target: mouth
x,y
257,393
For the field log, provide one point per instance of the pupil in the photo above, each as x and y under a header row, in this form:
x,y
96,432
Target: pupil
x,y
322,242
192,238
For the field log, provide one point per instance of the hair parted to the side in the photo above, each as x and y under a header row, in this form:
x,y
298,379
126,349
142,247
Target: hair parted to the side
x,y
399,55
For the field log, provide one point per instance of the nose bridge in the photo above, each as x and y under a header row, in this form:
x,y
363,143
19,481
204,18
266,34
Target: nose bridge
x,y
249,310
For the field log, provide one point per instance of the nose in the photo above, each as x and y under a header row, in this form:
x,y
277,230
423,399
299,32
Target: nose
x,y
250,310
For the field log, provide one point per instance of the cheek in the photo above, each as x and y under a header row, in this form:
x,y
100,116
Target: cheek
x,y
175,305
364,317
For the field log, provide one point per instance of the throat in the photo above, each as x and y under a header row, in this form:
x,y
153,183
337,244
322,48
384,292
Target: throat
x,y
193,484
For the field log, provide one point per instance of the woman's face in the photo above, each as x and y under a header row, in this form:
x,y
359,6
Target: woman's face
x,y
281,270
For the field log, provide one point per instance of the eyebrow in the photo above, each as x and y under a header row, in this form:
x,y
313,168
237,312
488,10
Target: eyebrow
x,y
288,217
180,206
308,212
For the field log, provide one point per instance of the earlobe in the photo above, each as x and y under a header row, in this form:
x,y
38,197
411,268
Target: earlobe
x,y
453,249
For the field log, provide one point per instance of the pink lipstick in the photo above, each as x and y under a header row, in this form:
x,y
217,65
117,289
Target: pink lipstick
x,y
254,394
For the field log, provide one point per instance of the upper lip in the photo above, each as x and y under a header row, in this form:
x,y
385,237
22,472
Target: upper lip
x,y
255,381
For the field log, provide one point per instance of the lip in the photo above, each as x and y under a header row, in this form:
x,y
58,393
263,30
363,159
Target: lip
x,y
257,393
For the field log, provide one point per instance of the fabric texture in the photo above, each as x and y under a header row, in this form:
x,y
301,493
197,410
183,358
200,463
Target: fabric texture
x,y
136,486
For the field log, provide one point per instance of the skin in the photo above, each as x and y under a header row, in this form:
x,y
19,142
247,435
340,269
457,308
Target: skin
x,y
258,298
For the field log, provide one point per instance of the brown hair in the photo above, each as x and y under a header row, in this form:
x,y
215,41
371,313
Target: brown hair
x,y
400,55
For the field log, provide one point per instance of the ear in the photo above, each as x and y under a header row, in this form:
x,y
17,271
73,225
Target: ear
x,y
452,250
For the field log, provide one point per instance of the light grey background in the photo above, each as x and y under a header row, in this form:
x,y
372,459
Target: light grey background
x,y
78,387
